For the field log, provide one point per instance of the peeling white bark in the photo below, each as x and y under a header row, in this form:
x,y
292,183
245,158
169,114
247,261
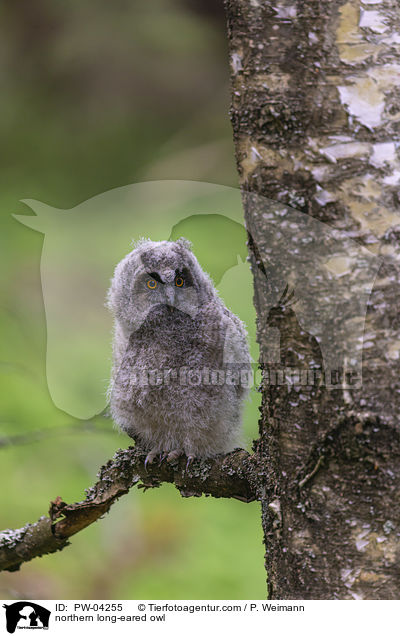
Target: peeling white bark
x,y
316,120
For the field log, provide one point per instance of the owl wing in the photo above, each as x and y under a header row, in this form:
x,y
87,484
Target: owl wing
x,y
237,357
121,380
236,347
225,337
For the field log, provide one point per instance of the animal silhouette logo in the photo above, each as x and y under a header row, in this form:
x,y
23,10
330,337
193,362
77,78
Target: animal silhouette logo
x,y
332,274
26,615
81,248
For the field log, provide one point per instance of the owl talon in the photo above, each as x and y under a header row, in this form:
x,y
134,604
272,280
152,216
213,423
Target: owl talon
x,y
163,456
189,461
149,459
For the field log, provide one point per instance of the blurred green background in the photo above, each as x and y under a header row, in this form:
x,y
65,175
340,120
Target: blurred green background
x,y
96,96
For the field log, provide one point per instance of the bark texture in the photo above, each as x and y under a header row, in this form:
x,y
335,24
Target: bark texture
x,y
316,122
231,475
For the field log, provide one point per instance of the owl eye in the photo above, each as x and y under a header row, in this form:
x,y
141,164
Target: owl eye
x,y
151,284
179,282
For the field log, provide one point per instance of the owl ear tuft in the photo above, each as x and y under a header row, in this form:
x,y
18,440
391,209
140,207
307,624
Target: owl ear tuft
x,y
139,242
184,242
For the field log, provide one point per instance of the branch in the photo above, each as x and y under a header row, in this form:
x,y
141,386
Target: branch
x,y
222,476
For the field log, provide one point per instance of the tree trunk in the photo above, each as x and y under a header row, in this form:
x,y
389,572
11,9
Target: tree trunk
x,y
316,117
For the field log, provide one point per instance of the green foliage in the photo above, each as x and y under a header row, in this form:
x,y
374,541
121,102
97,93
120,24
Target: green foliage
x,y
115,98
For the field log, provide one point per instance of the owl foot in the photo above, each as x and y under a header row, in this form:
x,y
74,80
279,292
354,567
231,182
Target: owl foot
x,y
175,454
150,458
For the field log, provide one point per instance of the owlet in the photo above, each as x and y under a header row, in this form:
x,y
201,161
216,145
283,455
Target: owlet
x,y
181,362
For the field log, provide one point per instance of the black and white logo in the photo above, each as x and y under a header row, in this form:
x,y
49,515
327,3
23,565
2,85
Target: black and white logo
x,y
26,615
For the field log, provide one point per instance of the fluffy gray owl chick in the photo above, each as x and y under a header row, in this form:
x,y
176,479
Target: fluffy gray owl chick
x,y
181,363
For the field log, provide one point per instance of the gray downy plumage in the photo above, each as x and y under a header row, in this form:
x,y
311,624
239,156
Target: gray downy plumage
x,y
181,363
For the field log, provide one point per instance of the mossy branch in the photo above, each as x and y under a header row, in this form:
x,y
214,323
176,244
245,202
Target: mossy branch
x,y
222,476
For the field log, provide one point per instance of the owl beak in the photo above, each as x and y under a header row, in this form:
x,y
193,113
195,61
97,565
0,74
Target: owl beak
x,y
170,296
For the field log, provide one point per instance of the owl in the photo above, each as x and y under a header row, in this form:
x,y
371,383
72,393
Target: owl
x,y
181,363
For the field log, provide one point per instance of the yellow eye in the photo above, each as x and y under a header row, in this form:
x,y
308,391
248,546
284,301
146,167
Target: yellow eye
x,y
179,281
151,284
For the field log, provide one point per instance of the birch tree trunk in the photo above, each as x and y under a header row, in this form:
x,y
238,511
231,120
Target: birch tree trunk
x,y
316,120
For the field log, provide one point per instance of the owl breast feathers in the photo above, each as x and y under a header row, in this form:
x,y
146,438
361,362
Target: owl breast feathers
x,y
181,363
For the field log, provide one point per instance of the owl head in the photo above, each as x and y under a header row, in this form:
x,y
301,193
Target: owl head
x,y
157,278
